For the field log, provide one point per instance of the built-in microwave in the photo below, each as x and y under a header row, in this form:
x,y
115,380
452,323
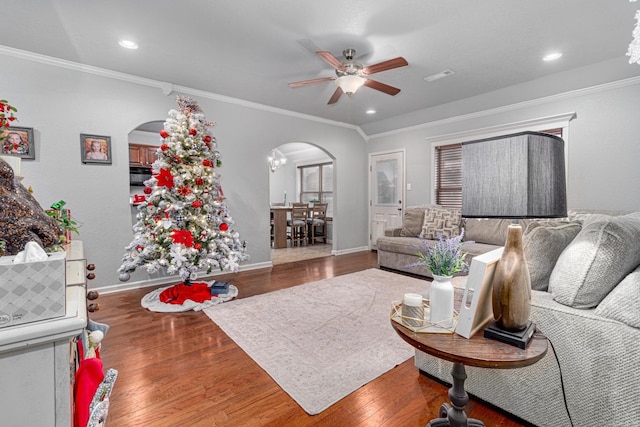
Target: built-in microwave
x,y
138,175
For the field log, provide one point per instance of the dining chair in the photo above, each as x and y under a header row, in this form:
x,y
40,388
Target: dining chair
x,y
298,224
317,223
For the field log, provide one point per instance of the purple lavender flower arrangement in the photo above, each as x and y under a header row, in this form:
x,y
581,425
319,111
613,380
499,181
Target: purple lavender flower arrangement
x,y
444,257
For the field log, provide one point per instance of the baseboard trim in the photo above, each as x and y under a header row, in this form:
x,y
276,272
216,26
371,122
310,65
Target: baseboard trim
x,y
350,251
160,281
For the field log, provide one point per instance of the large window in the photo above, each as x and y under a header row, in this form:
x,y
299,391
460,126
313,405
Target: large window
x,y
448,172
316,184
448,175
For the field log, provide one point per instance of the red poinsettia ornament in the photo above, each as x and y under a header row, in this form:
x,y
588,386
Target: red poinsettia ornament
x,y
165,179
164,133
192,132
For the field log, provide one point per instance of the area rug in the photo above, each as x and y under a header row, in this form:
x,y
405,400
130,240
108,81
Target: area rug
x,y
321,341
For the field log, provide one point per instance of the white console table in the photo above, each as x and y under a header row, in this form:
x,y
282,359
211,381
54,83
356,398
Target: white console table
x,y
37,360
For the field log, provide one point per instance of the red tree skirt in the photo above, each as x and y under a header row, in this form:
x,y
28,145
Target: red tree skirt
x,y
198,292
180,297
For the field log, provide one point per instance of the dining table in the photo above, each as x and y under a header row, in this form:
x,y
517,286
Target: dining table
x,y
280,215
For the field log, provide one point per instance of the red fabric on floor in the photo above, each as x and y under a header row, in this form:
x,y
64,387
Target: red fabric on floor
x,y
197,292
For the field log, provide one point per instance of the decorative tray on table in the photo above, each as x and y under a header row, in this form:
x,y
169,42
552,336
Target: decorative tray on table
x,y
447,326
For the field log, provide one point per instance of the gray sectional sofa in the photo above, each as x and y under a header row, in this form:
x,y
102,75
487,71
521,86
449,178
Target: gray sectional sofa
x,y
585,273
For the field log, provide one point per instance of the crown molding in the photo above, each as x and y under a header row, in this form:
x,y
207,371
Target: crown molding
x,y
517,106
165,87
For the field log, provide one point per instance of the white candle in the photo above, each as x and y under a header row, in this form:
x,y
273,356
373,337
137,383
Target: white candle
x,y
412,310
413,300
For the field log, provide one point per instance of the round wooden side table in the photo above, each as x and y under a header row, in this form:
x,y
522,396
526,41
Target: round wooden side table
x,y
477,351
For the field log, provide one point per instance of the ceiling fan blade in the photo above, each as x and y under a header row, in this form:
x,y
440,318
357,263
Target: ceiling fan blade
x,y
385,65
336,95
311,81
330,59
389,90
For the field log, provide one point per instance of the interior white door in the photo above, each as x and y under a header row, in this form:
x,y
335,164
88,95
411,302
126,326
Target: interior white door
x,y
386,193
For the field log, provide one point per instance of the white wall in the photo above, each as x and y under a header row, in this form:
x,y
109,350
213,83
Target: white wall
x,y
61,102
603,144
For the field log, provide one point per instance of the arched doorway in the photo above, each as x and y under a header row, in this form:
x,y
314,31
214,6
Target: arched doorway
x,y
305,175
143,142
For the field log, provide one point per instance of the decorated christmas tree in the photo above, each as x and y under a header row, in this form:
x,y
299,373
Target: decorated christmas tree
x,y
183,224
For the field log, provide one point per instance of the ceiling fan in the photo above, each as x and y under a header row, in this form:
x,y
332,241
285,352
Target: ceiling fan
x,y
351,75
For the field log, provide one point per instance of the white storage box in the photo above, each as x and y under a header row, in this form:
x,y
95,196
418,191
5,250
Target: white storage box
x,y
30,292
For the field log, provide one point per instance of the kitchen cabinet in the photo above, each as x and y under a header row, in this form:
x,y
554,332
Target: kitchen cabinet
x,y
142,155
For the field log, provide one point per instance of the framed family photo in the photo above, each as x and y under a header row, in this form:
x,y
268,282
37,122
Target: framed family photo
x,y
95,148
19,142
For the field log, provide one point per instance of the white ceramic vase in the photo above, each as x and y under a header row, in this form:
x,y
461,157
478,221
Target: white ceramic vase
x,y
441,301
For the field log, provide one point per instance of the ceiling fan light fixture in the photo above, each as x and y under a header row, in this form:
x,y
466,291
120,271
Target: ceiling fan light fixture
x,y
350,83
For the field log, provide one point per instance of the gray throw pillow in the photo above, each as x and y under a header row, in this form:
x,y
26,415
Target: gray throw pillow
x,y
413,220
600,256
543,242
623,302
490,231
441,221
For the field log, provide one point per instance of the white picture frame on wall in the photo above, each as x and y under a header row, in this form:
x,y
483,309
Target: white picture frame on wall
x,y
476,309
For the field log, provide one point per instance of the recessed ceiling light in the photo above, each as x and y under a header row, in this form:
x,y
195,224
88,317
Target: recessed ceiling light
x,y
128,44
371,111
552,56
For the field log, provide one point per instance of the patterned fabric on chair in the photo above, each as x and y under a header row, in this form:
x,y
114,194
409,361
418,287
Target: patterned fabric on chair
x,y
317,223
298,224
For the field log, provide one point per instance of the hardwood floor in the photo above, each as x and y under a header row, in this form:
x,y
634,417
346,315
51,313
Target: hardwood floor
x,y
180,369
